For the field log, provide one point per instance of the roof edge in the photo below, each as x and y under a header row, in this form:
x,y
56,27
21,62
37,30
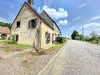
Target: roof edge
x,y
51,19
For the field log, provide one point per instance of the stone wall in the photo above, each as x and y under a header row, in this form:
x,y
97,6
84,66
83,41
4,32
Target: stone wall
x,y
45,28
25,35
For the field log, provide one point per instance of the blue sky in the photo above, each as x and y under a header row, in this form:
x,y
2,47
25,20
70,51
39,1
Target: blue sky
x,y
69,14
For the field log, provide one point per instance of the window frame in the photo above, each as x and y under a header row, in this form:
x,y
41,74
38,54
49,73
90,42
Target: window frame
x,y
47,37
32,23
18,25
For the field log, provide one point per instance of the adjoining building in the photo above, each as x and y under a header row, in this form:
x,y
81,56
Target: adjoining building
x,y
4,32
33,29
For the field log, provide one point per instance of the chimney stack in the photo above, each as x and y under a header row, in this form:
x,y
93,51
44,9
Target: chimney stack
x,y
31,2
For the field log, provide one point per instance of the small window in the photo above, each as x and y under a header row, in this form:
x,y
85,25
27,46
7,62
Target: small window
x,y
3,35
47,37
32,23
18,24
16,37
53,38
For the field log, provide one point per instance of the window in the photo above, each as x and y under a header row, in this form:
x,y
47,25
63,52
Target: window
x,y
16,37
47,37
3,35
18,24
32,23
53,38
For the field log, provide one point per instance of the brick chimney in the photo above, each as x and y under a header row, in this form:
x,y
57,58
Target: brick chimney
x,y
31,2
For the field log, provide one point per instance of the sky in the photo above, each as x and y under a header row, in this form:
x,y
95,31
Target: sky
x,y
70,15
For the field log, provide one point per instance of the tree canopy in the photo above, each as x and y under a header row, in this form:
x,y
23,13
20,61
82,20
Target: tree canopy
x,y
5,24
74,34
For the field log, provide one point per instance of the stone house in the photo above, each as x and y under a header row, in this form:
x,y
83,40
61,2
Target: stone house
x,y
33,29
4,31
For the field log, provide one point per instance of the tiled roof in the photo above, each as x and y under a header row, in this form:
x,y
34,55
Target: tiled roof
x,y
47,18
43,19
4,30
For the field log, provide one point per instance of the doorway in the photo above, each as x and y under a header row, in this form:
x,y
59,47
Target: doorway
x,y
17,37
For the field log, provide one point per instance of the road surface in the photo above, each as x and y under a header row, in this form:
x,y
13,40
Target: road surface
x,y
75,58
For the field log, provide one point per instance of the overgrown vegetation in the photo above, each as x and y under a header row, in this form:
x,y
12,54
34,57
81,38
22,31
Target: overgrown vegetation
x,y
7,50
5,24
60,40
12,39
76,36
18,45
60,43
94,37
3,37
13,42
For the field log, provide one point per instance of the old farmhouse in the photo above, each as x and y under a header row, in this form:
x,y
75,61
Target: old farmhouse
x,y
33,29
4,32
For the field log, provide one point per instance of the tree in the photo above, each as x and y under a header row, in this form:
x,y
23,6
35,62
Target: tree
x,y
93,34
94,37
77,38
81,37
74,34
5,24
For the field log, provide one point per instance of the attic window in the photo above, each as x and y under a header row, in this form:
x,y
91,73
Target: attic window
x,y
32,23
18,24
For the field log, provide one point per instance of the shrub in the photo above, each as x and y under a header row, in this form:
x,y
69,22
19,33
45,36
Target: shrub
x,y
3,37
12,39
60,39
77,38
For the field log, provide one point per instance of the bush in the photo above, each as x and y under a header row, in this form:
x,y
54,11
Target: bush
x,y
77,38
3,37
60,39
12,39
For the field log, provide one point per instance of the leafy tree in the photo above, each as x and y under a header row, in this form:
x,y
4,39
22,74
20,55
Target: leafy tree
x,y
77,38
81,37
94,37
74,34
93,34
5,24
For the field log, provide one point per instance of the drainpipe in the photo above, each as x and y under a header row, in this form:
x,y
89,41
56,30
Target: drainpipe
x,y
39,38
40,35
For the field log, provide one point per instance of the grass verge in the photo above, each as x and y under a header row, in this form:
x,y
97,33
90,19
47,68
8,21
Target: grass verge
x,y
7,50
92,43
57,46
18,45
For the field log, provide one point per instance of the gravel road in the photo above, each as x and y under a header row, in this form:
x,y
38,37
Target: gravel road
x,y
75,58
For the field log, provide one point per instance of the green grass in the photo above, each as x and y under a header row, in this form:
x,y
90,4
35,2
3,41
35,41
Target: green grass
x,y
57,46
1,39
92,43
18,45
6,50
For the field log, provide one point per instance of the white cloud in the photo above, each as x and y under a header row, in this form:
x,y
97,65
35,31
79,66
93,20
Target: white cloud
x,y
56,14
88,28
63,22
97,29
72,28
91,25
39,10
3,20
95,18
77,18
83,5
